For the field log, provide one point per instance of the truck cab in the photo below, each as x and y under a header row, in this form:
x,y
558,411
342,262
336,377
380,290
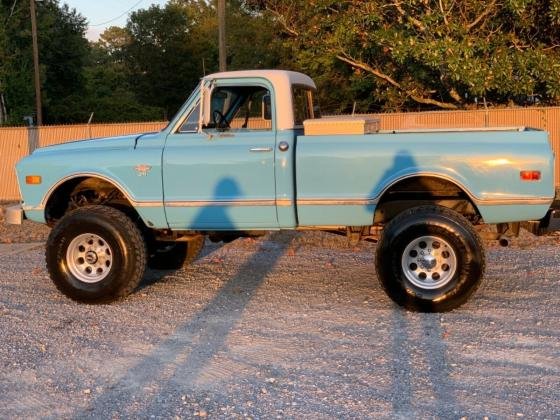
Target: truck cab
x,y
234,141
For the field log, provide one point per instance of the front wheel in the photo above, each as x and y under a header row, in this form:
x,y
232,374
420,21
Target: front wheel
x,y
96,254
430,259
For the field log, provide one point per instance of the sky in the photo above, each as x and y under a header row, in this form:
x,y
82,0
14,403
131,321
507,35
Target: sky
x,y
101,14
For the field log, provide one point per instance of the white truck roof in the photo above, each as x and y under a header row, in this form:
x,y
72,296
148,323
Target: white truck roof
x,y
282,80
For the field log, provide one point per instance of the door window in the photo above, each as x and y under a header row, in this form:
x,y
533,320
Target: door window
x,y
240,108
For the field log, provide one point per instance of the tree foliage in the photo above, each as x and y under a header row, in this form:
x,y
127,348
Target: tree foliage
x,y
407,54
109,91
172,47
161,54
369,55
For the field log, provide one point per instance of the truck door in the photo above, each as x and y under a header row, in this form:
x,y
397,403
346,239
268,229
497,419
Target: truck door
x,y
223,177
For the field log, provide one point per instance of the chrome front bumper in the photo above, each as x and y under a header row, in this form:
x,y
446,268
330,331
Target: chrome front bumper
x,y
14,215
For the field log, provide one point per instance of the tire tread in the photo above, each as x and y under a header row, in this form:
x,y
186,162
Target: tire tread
x,y
426,211
134,241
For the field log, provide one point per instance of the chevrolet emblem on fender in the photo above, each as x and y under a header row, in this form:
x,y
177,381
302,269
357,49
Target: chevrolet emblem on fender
x,y
142,169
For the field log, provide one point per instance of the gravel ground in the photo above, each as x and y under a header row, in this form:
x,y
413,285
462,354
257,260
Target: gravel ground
x,y
290,325
28,232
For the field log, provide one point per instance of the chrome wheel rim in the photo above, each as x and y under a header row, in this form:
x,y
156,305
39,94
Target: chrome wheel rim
x,y
89,258
429,262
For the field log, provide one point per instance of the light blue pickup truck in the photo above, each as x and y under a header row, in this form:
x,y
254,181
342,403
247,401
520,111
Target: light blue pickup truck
x,y
248,153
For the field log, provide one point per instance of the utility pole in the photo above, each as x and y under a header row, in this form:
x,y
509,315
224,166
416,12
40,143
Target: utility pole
x,y
36,64
222,33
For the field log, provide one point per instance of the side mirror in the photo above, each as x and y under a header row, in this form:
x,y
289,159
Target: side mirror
x,y
266,108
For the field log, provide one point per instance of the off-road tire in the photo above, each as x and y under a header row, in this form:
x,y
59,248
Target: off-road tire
x,y
459,237
127,254
174,255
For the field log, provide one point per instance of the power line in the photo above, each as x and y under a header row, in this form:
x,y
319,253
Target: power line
x,y
119,16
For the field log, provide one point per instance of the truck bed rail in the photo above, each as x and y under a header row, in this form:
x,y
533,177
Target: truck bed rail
x,y
456,130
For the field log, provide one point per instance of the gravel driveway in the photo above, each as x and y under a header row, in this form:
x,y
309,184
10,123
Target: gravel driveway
x,y
287,326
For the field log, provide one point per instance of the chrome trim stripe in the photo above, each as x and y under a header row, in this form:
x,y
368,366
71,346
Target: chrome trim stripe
x,y
220,203
373,201
147,203
320,202
284,202
336,201
306,202
515,201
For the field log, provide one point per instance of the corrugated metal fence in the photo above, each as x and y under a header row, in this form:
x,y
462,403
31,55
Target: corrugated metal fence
x,y
13,146
16,142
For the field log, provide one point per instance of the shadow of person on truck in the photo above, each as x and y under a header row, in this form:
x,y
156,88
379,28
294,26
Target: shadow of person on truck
x,y
217,215
211,215
403,163
412,185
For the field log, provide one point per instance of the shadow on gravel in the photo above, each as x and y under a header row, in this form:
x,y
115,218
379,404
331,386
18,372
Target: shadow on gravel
x,y
432,353
183,356
153,276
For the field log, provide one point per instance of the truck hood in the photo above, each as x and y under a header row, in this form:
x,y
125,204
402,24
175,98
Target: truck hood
x,y
119,142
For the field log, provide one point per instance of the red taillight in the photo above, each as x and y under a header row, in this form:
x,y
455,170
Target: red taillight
x,y
530,175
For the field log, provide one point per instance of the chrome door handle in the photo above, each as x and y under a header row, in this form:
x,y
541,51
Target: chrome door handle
x,y
260,149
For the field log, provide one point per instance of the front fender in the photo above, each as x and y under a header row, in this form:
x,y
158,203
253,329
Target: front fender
x,y
136,172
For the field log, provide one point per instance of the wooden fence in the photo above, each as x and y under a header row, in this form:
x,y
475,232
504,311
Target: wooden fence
x,y
15,143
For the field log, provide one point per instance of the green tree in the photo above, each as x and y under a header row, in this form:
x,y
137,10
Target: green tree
x,y
418,54
159,57
250,38
172,47
109,93
16,77
62,53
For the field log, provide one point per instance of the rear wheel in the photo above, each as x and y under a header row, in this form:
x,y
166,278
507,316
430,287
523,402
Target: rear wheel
x,y
96,254
430,259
